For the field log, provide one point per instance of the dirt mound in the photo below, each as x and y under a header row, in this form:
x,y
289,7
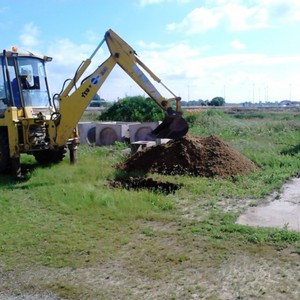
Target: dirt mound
x,y
190,155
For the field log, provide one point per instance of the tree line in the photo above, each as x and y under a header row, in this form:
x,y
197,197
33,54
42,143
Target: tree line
x,y
216,101
141,109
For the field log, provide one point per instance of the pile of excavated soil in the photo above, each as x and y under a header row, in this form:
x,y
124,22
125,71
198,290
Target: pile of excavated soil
x,y
190,155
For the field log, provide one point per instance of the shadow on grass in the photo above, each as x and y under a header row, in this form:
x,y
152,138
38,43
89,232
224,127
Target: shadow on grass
x,y
8,179
293,150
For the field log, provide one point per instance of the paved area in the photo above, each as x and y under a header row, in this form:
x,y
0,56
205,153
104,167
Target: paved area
x,y
284,212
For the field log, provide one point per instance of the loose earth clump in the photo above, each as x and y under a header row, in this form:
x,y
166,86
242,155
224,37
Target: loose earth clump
x,y
190,155
156,186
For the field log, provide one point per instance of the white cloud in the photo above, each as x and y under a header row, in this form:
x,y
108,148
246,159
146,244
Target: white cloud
x,y
29,36
191,72
152,45
67,56
193,75
237,45
198,20
66,52
239,15
281,9
169,60
93,37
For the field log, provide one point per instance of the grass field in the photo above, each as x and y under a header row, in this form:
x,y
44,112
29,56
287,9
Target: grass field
x,y
65,234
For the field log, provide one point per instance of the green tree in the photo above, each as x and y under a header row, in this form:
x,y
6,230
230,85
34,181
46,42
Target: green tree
x,y
217,101
133,109
97,101
96,97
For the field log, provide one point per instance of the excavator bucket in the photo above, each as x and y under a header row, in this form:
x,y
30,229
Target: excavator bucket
x,y
172,127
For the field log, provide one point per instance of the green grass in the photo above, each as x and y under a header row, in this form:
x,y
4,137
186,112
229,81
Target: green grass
x,y
221,226
67,216
63,212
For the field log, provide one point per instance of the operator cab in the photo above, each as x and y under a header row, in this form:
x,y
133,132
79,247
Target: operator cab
x,y
23,81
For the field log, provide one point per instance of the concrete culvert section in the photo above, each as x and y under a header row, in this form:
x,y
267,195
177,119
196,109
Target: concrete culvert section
x,y
142,131
144,134
108,136
87,133
110,132
91,136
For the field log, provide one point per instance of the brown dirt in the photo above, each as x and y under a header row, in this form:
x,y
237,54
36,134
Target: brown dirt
x,y
190,155
157,186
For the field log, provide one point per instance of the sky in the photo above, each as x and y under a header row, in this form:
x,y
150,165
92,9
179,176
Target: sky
x,y
242,50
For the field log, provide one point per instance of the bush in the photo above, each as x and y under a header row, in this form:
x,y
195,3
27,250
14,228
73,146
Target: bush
x,y
133,109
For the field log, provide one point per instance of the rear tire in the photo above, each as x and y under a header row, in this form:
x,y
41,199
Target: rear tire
x,y
5,161
46,157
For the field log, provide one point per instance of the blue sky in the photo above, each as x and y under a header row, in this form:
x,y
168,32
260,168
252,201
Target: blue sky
x,y
241,50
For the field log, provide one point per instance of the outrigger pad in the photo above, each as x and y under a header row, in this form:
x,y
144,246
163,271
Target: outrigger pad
x,y
172,127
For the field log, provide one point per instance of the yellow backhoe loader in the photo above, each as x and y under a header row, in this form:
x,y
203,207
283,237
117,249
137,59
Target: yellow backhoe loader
x,y
31,122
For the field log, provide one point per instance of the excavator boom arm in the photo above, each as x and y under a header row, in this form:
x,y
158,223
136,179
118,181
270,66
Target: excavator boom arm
x,y
128,60
73,105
